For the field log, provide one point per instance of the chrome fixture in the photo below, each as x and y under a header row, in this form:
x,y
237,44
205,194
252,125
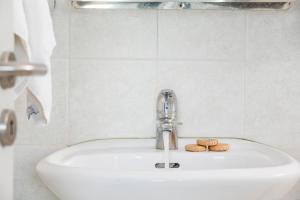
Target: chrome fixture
x,y
187,4
9,70
166,111
8,127
171,165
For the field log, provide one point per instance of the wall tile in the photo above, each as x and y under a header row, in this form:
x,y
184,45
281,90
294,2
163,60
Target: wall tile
x,y
111,99
202,35
113,34
294,194
272,101
274,35
210,96
57,131
27,184
32,190
60,16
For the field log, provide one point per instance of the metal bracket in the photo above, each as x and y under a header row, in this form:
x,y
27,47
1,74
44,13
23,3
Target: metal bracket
x,y
8,127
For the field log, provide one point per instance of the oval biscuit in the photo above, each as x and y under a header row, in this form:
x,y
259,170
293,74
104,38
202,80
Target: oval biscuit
x,y
219,147
194,148
207,142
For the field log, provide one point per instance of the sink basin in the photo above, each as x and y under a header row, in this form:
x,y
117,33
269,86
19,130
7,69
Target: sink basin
x,y
125,169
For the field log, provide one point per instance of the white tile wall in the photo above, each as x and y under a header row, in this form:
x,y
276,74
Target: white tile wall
x,y
235,73
210,96
122,104
274,35
113,34
272,99
202,35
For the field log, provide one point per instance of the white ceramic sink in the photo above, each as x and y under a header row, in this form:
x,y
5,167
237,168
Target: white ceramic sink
x,y
125,169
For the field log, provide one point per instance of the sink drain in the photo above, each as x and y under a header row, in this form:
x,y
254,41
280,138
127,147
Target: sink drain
x,y
171,165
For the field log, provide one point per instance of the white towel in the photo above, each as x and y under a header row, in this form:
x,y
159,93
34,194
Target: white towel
x,y
33,25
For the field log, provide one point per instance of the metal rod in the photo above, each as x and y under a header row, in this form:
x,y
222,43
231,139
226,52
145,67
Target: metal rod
x,y
9,67
189,4
22,69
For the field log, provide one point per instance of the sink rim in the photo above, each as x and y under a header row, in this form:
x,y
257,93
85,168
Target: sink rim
x,y
291,168
77,182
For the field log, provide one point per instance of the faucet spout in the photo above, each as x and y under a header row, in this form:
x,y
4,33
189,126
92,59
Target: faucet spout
x,y
166,111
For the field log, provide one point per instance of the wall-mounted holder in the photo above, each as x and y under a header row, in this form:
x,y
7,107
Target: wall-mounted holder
x,y
186,4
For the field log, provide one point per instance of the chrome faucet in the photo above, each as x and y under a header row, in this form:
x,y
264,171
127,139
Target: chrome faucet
x,y
166,111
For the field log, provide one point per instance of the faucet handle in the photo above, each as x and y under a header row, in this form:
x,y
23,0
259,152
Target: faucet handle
x,y
166,104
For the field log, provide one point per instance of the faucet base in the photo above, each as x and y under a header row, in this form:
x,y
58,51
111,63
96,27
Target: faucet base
x,y
172,141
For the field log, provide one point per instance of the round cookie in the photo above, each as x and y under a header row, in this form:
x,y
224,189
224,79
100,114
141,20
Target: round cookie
x,y
219,147
194,148
207,142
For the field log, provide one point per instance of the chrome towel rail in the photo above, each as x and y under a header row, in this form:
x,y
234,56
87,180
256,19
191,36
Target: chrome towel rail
x,y
187,4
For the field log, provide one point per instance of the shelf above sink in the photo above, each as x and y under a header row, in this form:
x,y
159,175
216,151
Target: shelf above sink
x,y
185,4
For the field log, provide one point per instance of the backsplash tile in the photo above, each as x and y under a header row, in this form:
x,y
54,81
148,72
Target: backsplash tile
x,y
207,35
210,96
32,190
272,99
113,34
294,194
111,99
274,35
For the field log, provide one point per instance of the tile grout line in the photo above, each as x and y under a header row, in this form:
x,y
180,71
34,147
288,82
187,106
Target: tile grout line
x,y
157,34
160,59
156,89
157,53
245,77
68,77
